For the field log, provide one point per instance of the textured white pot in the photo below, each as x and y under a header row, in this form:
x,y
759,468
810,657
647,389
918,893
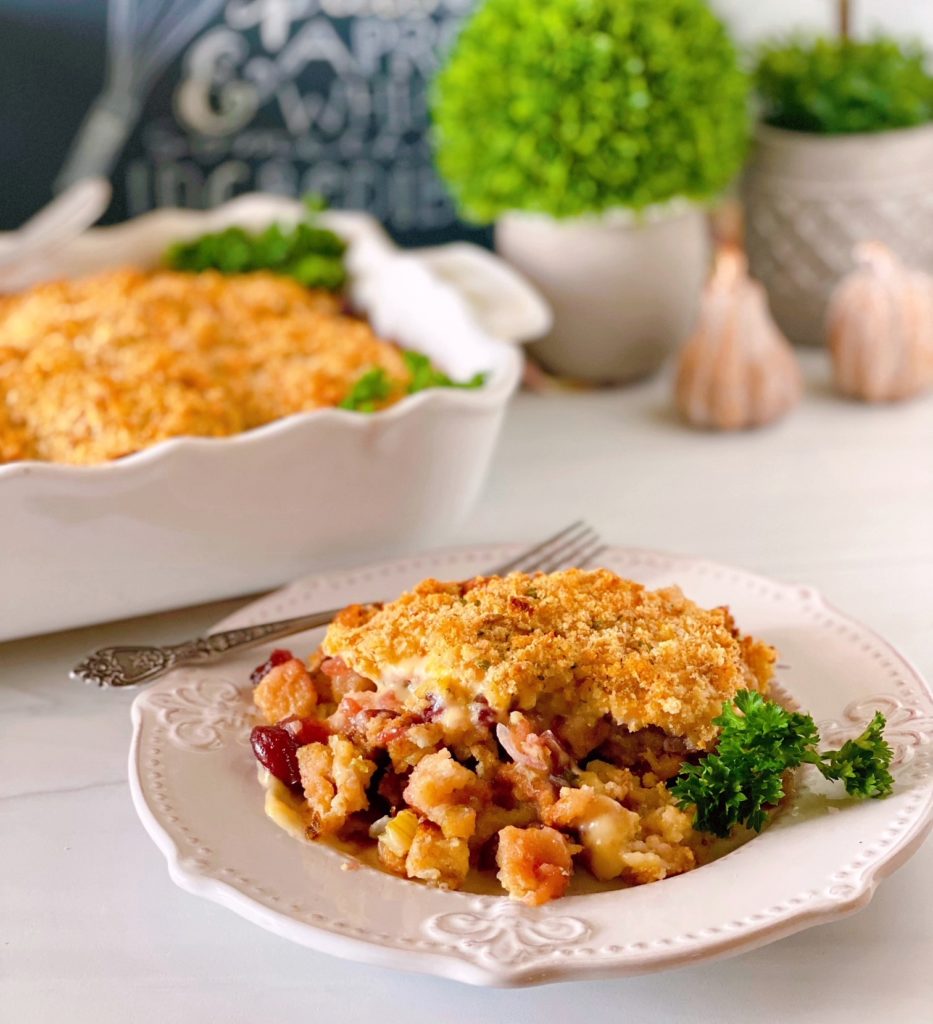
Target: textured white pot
x,y
809,199
624,291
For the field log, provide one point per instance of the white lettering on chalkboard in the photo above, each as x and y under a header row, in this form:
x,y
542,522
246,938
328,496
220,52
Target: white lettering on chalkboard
x,y
280,98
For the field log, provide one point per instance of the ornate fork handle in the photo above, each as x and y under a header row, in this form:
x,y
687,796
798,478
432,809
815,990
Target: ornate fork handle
x,y
130,666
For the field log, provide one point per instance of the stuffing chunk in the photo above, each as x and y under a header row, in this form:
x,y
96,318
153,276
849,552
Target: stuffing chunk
x,y
622,843
669,822
493,819
654,860
605,828
334,776
607,779
286,690
535,864
446,793
409,746
437,859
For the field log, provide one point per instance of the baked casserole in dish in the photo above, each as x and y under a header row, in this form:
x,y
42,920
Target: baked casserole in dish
x,y
100,367
137,474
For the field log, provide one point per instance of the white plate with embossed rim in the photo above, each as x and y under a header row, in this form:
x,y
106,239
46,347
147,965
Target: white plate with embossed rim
x,y
194,785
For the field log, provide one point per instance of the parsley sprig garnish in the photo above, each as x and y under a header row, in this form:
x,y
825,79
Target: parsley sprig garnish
x,y
307,252
375,386
758,742
425,375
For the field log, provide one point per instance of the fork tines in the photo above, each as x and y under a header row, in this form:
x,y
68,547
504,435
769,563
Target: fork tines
x,y
576,545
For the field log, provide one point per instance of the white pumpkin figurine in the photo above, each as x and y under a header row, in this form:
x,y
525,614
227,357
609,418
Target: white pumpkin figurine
x,y
880,327
736,370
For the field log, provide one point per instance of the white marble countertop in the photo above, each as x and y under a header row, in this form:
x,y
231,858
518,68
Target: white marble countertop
x,y
840,496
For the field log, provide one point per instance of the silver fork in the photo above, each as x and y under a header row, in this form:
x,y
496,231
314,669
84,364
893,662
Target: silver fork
x,y
575,545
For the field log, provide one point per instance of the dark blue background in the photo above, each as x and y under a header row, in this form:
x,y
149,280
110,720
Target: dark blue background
x,y
53,55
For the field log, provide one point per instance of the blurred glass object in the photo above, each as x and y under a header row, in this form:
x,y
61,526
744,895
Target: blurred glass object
x,y
143,36
190,102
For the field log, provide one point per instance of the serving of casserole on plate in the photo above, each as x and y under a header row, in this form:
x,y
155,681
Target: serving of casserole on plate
x,y
514,721
237,456
477,779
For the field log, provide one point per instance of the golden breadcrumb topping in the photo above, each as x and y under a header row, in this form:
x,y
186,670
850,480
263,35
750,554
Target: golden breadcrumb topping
x,y
583,643
95,368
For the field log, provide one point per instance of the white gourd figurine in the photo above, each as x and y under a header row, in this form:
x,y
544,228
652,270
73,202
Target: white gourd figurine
x,y
736,370
880,327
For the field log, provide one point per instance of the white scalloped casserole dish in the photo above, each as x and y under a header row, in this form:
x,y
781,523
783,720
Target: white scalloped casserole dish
x,y
193,519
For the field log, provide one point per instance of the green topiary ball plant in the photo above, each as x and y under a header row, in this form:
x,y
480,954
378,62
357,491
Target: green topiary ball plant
x,y
833,86
567,107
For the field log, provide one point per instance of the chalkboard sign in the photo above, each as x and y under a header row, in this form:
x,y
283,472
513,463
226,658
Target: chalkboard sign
x,y
190,102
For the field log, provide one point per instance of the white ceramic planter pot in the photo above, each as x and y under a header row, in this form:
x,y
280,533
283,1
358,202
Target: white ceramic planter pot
x,y
810,198
624,291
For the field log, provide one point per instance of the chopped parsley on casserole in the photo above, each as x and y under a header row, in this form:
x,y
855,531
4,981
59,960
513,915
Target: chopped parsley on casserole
x,y
526,722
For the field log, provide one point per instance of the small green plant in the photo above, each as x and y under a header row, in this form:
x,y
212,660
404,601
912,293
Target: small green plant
x,y
567,107
834,86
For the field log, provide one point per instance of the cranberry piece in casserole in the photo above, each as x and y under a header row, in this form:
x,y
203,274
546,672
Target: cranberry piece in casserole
x,y
278,657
